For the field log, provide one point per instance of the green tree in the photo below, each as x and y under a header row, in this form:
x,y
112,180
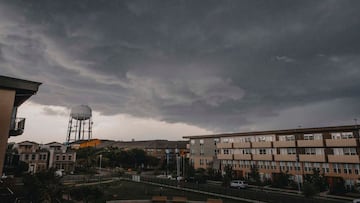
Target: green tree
x,y
254,174
43,187
281,179
86,194
317,179
309,189
228,175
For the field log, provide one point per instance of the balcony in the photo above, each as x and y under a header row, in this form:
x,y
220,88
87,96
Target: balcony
x,y
284,144
225,156
17,127
262,157
312,158
341,142
343,159
310,143
261,144
285,157
242,145
242,156
224,145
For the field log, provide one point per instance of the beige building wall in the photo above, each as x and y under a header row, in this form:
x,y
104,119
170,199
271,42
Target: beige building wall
x,y
6,106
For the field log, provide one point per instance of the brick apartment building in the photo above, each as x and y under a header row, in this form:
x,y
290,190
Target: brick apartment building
x,y
333,150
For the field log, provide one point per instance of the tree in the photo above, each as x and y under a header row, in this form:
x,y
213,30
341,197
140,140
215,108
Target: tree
x,y
228,175
281,179
317,179
254,174
86,193
338,186
43,187
309,189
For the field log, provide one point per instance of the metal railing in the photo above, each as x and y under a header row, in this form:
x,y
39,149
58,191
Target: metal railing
x,y
17,126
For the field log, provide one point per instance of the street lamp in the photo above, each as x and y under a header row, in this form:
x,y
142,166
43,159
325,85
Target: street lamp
x,y
167,151
298,176
100,161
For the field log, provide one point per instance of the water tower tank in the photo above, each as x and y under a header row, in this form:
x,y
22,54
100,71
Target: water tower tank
x,y
81,112
80,124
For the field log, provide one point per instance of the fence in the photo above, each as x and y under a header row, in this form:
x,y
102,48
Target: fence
x,y
258,194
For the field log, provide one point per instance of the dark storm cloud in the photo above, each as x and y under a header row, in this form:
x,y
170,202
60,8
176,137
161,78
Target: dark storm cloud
x,y
219,65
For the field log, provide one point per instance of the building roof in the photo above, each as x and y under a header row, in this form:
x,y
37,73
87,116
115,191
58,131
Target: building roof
x,y
54,143
24,88
27,143
151,144
282,132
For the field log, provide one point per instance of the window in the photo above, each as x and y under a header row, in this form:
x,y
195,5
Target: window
x,y
291,151
297,166
273,165
262,151
216,140
216,151
310,151
225,151
348,168
314,136
282,165
261,139
201,150
260,164
33,157
201,162
57,157
247,139
26,157
267,164
201,142
307,166
336,168
70,157
342,135
63,157
192,142
349,151
287,138
246,151
316,166
308,137
289,166
356,168
325,167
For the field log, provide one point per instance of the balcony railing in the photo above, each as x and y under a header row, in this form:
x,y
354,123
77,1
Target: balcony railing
x,y
341,142
278,144
312,158
17,127
310,143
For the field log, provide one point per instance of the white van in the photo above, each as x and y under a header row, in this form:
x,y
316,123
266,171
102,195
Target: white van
x,y
239,184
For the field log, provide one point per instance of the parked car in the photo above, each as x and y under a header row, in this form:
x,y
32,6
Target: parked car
x,y
239,184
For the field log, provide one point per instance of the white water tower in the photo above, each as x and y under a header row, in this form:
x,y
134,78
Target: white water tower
x,y
80,124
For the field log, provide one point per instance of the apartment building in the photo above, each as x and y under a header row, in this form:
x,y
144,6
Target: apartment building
x,y
332,150
42,157
203,152
13,93
61,157
31,153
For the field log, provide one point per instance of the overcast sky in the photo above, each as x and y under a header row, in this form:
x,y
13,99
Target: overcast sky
x,y
167,69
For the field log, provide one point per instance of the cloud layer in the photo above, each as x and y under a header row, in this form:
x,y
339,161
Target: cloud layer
x,y
223,66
